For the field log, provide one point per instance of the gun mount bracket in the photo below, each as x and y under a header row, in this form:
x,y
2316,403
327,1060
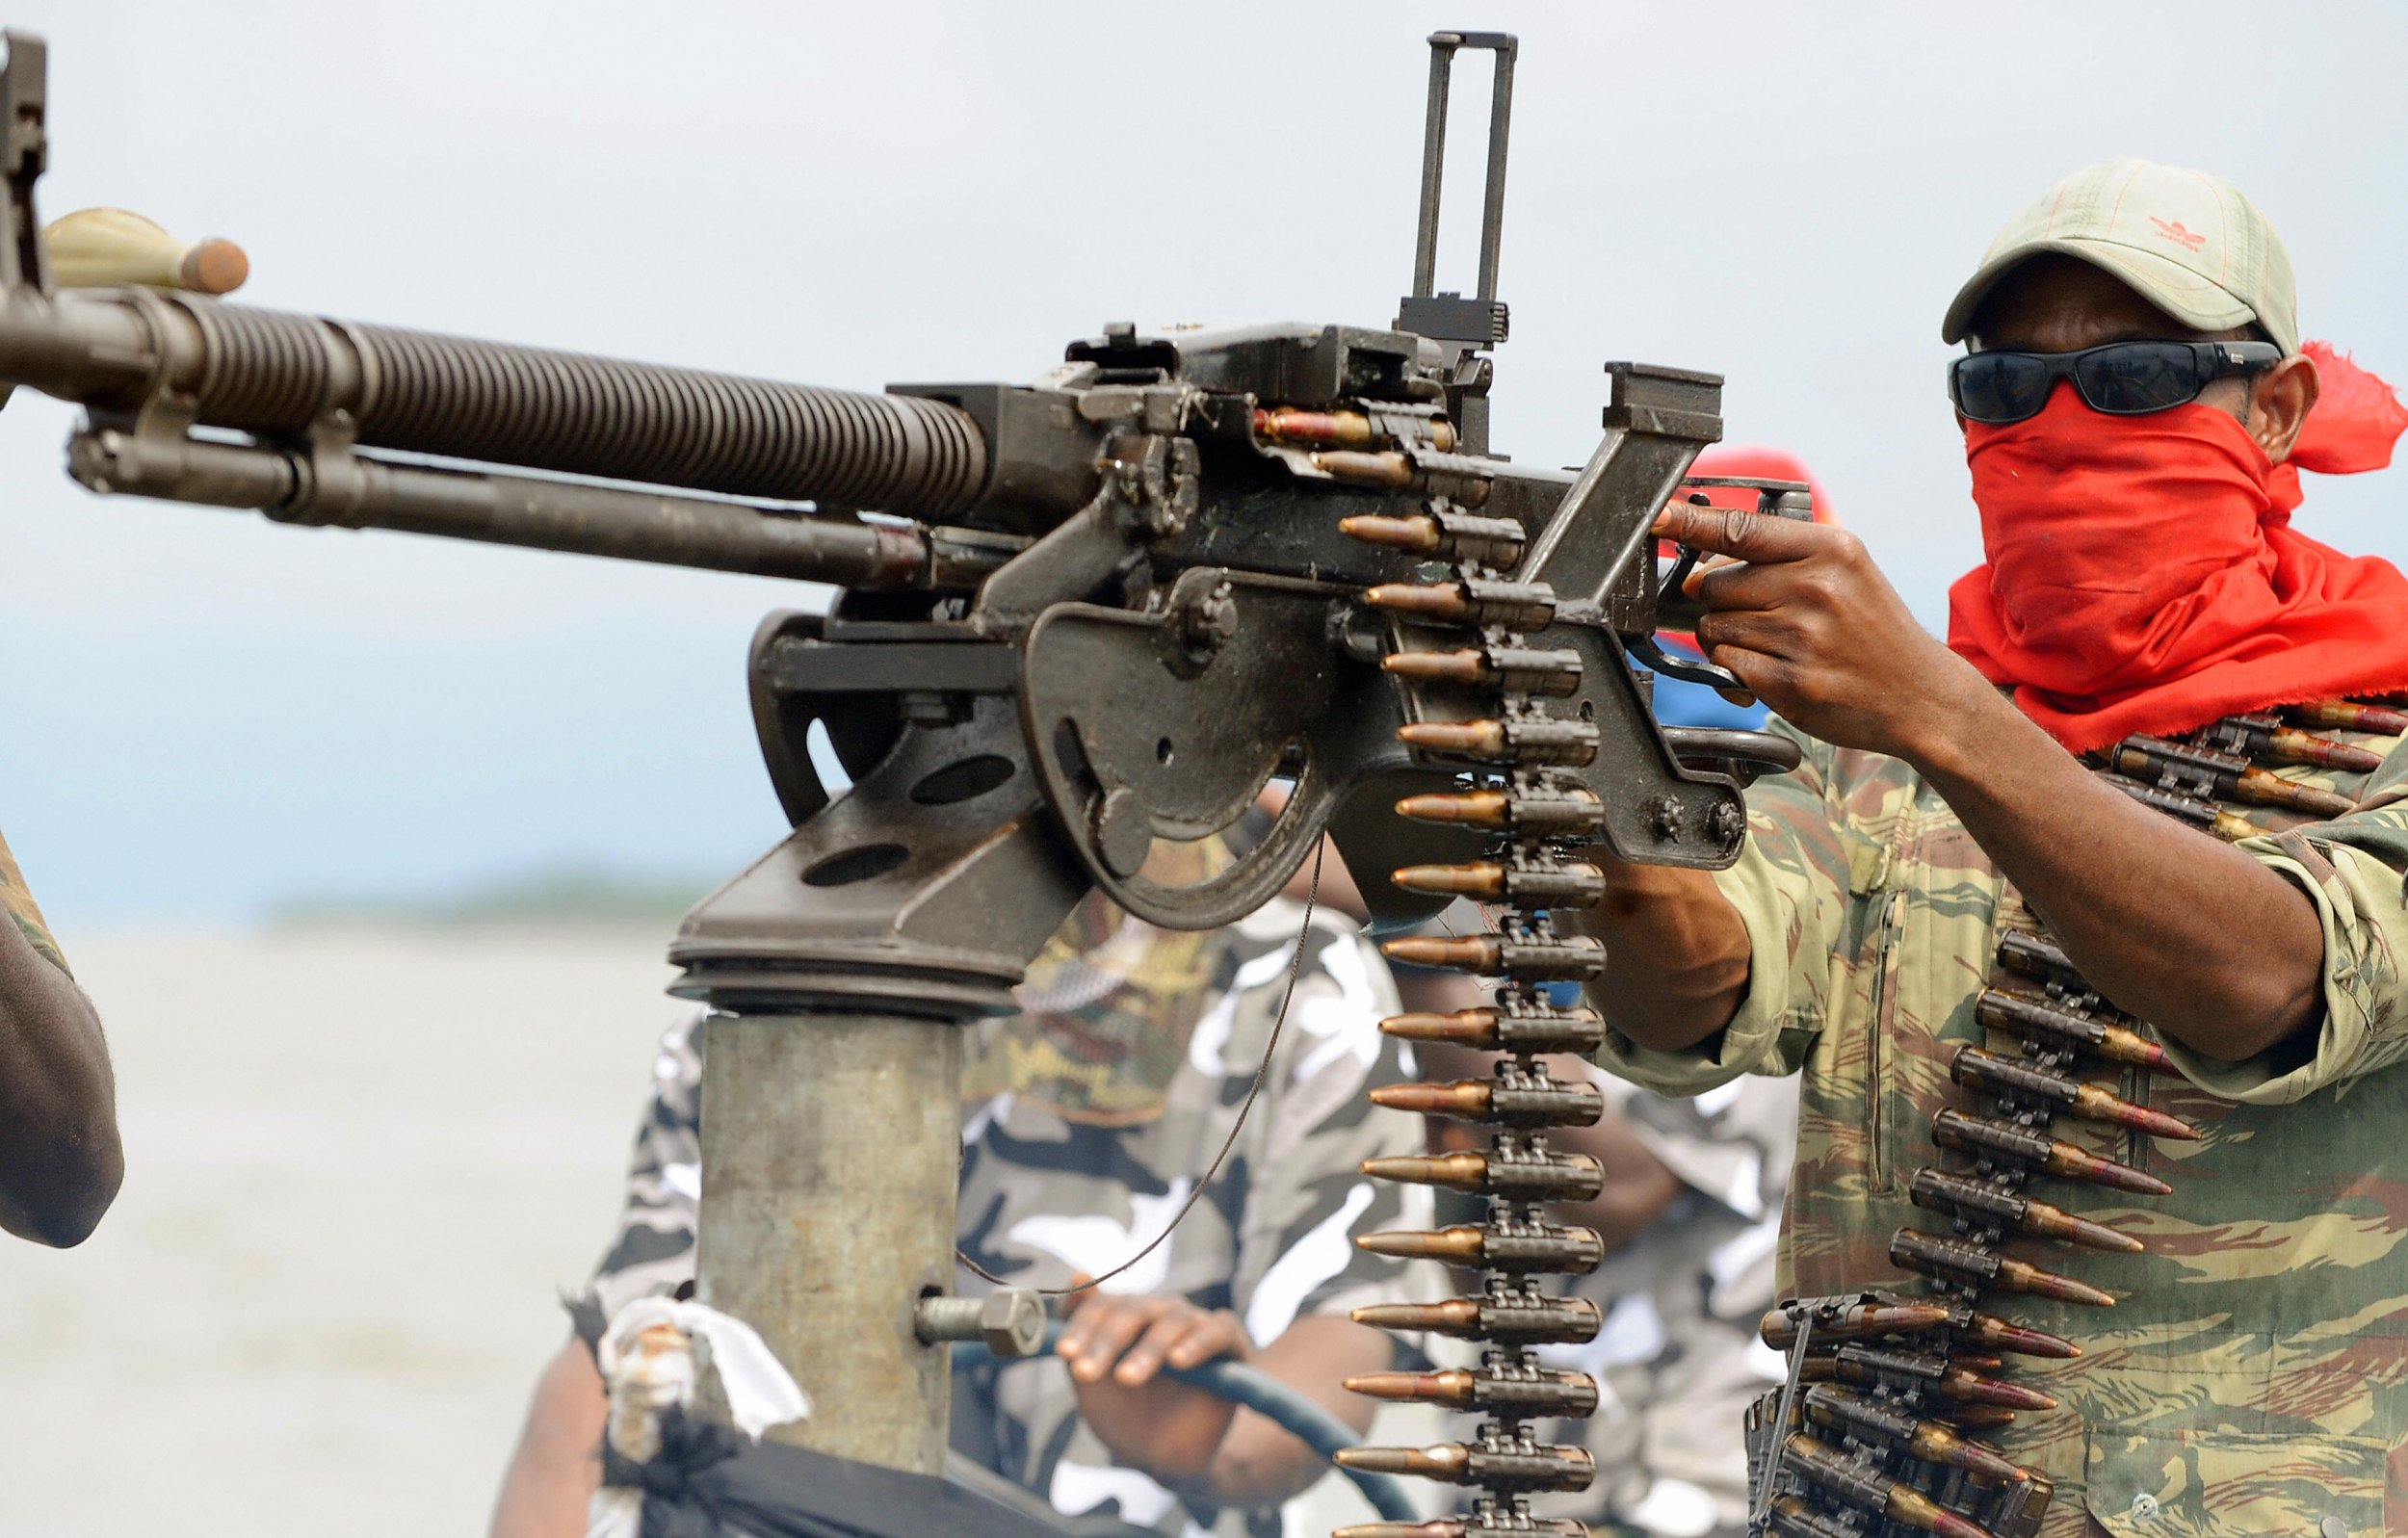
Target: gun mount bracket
x,y
1139,733
923,890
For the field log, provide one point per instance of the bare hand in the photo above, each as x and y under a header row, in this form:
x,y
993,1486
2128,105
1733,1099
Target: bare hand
x,y
1806,620
1116,1348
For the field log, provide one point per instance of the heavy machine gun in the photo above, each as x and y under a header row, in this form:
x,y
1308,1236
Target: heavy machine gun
x,y
1082,618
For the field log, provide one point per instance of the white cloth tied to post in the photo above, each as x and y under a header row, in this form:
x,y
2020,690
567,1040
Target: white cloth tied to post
x,y
650,1364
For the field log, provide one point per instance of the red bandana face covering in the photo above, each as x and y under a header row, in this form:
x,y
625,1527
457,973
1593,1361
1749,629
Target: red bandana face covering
x,y
2143,575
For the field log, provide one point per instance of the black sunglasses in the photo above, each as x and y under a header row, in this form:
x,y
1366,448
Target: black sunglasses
x,y
2122,378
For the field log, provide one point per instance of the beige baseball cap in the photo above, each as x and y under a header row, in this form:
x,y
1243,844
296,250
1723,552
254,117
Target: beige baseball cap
x,y
2185,241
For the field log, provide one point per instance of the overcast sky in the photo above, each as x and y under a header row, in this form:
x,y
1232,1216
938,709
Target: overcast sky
x,y
205,714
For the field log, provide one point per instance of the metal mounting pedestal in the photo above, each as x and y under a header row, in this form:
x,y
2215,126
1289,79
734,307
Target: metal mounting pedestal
x,y
833,1143
843,967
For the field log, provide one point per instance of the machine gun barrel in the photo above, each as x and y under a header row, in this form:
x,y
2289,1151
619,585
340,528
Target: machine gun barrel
x,y
539,514
299,377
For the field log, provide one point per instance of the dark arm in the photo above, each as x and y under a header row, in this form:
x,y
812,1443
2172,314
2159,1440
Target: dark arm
x,y
59,1162
1258,1463
1188,1438
1676,953
2212,948
2191,935
557,1465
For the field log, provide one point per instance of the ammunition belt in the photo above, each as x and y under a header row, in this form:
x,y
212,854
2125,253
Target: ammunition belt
x,y
1487,692
1871,1437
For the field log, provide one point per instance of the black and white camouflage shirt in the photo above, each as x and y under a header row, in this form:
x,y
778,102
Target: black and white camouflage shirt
x,y
1088,1122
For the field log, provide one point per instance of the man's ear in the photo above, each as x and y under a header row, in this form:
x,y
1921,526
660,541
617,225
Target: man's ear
x,y
2279,403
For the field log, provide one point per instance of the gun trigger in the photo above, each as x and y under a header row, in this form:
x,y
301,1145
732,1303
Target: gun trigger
x,y
1655,658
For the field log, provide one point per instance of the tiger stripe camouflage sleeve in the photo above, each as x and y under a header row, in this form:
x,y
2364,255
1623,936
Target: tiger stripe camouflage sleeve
x,y
1792,889
18,900
2351,869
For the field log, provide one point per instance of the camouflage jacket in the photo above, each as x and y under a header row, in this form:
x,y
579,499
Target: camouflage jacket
x,y
2254,1376
1073,1163
20,906
1679,1360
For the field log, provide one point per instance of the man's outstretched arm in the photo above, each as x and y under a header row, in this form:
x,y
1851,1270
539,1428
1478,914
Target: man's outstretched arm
x,y
1116,1348
59,1162
557,1466
2212,948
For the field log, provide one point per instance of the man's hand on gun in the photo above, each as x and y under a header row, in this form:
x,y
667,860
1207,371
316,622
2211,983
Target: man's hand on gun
x,y
1799,612
1802,617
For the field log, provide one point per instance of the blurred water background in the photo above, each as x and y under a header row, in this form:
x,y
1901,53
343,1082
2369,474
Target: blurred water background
x,y
363,1162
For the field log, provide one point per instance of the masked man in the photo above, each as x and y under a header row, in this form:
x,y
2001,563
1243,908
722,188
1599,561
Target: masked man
x,y
2085,926
1089,1121
60,1163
